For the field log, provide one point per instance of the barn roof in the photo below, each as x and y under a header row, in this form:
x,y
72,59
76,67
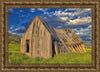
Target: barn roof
x,y
49,28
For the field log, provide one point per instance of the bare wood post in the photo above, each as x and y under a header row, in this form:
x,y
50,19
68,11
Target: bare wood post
x,y
63,42
78,40
56,48
67,38
84,50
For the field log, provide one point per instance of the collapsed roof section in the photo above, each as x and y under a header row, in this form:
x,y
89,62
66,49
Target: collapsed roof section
x,y
70,42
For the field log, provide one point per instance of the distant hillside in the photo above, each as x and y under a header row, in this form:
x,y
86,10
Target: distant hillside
x,y
88,43
14,39
86,39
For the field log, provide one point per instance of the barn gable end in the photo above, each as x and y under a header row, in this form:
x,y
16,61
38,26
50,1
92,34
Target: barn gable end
x,y
37,34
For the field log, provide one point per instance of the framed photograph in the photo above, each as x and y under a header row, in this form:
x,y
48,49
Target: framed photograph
x,y
49,35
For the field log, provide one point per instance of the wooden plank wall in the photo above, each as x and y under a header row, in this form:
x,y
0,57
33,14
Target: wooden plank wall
x,y
40,40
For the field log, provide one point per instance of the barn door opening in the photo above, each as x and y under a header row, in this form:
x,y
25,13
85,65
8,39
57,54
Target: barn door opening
x,y
27,46
53,48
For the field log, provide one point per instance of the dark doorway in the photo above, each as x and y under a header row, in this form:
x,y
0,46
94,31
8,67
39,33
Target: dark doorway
x,y
27,46
53,48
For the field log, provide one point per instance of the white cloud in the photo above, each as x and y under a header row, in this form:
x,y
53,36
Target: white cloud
x,y
64,18
39,9
10,32
84,31
61,13
48,13
71,9
66,9
73,12
90,27
59,26
42,9
67,20
32,9
12,27
17,30
80,21
81,11
74,16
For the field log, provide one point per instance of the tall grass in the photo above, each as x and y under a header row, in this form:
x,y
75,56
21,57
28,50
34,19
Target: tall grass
x,y
16,57
13,47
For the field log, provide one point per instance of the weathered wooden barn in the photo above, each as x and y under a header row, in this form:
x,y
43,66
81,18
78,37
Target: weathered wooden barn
x,y
41,40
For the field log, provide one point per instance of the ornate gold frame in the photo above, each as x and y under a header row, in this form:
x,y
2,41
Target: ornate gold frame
x,y
4,5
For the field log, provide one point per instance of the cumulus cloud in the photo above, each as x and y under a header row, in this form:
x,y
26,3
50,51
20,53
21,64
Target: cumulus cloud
x,y
39,9
10,32
64,18
54,21
48,13
71,9
80,21
62,13
73,12
70,16
81,11
84,33
61,19
17,31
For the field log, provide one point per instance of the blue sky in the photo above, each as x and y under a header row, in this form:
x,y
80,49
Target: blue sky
x,y
78,19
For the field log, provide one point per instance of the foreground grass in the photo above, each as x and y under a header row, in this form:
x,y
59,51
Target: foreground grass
x,y
15,57
13,47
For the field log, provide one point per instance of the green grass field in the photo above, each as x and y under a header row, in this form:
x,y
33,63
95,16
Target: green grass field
x,y
15,57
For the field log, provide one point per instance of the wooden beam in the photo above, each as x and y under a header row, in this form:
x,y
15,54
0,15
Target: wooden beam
x,y
60,37
69,42
56,48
